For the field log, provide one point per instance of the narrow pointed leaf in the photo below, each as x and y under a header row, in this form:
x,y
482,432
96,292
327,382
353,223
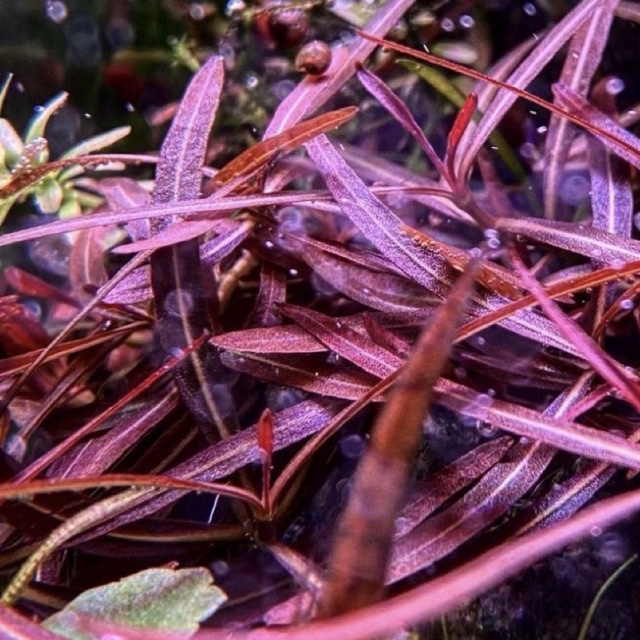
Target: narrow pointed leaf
x,y
264,152
390,101
344,341
582,239
605,128
426,496
360,552
581,62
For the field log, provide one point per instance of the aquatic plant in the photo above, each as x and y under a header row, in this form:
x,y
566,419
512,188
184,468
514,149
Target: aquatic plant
x,y
293,326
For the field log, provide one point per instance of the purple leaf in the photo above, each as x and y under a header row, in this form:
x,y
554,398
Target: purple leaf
x,y
561,434
525,72
578,238
602,126
287,339
399,110
322,379
223,458
500,487
344,341
581,62
426,496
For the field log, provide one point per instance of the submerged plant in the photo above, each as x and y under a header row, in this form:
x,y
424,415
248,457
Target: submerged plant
x,y
272,305
55,190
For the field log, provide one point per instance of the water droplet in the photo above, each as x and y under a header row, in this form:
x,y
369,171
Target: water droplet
x,y
56,11
282,89
614,86
542,129
268,244
119,32
530,9
129,107
626,304
595,531
480,341
460,373
293,273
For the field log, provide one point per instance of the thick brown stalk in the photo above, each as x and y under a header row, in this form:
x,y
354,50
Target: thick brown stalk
x,y
360,554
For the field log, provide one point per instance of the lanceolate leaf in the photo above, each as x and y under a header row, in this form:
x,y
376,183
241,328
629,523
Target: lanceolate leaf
x,y
259,155
175,270
223,458
562,434
505,483
287,339
426,496
581,62
526,71
613,136
323,379
383,229
344,341
377,88
376,221
582,239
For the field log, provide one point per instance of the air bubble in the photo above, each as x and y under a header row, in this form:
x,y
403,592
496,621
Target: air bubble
x,y
530,9
352,446
595,531
574,188
466,21
268,244
197,11
178,303
56,11
293,273
626,304
614,86
251,81
220,568
447,25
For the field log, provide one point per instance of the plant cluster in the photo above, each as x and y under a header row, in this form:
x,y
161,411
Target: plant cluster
x,y
326,295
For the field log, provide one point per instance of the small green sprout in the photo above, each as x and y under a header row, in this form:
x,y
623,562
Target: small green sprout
x,y
55,192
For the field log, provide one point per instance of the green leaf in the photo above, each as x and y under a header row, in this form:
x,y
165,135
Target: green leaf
x,y
37,125
98,142
169,600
